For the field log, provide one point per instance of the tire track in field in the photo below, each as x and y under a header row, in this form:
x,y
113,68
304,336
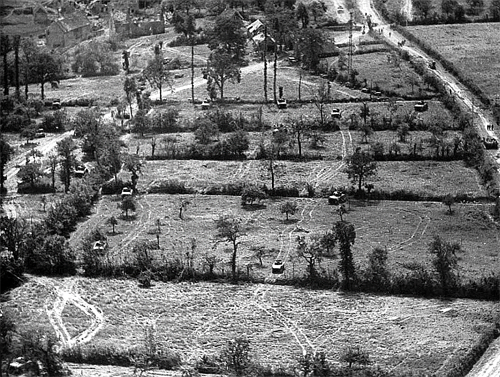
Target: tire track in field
x,y
144,220
418,232
259,295
54,308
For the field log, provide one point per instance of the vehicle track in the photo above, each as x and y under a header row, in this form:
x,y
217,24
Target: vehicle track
x,y
55,306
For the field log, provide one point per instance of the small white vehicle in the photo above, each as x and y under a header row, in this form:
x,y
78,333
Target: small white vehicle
x,y
100,246
281,103
80,171
205,105
337,198
278,267
126,192
336,114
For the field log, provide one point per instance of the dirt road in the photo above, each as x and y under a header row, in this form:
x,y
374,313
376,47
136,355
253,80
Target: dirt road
x,y
489,364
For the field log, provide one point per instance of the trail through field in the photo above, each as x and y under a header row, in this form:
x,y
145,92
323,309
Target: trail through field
x,y
144,222
418,232
266,304
54,307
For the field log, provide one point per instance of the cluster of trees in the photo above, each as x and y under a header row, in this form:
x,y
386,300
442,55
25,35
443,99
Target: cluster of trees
x,y
23,63
95,58
453,11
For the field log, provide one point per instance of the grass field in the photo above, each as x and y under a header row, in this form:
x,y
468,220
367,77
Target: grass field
x,y
281,322
404,228
473,48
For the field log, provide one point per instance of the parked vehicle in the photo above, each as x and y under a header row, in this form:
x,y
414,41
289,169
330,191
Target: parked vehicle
x,y
126,191
421,106
100,246
205,105
490,143
336,114
278,267
56,104
337,198
281,103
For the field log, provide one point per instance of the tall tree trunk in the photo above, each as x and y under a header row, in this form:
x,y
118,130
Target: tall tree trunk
x,y
233,260
5,51
265,63
159,87
300,82
275,70
192,69
42,84
17,41
26,73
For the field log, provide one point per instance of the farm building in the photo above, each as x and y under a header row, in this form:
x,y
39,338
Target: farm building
x,y
68,30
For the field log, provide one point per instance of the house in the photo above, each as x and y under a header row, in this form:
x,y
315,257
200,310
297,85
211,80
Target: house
x,y
255,27
68,30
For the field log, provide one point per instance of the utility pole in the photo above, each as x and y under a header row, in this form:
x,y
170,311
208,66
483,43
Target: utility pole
x,y
349,56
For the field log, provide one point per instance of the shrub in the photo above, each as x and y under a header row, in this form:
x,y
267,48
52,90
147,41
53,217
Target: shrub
x,y
55,122
170,186
11,273
113,187
53,256
252,194
144,279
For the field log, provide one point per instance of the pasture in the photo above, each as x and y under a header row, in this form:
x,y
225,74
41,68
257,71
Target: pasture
x,y
405,229
281,322
472,48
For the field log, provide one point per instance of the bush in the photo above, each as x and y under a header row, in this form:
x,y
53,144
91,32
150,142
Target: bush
x,y
11,273
169,186
113,187
53,256
55,122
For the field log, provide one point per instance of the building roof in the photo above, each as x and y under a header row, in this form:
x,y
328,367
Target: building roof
x,y
73,21
254,26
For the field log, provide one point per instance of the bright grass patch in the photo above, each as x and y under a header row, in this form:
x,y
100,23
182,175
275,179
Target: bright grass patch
x,y
405,229
281,322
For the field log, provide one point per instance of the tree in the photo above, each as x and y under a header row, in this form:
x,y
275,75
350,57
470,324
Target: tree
x,y
377,272
364,112
206,131
228,37
302,14
423,7
141,122
360,165
271,167
289,208
355,355
259,252
113,222
65,150
229,229
495,10
309,47
29,132
157,74
133,164
16,44
45,68
29,50
345,235
52,257
238,142
299,127
7,330
53,162
6,152
94,58
186,24
236,356
30,174
403,132
127,204
220,69
130,88
449,200
311,251
252,194
12,234
445,261
5,47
